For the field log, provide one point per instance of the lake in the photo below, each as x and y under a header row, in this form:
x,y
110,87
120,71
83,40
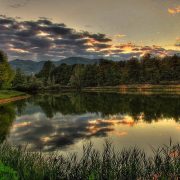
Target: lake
x,y
64,122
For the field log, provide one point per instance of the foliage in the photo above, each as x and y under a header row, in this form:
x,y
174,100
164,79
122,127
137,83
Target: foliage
x,y
45,73
7,173
7,115
93,164
26,83
77,77
4,94
149,69
61,74
6,73
33,84
19,80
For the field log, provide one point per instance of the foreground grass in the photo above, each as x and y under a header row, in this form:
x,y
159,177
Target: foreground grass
x,y
127,164
6,94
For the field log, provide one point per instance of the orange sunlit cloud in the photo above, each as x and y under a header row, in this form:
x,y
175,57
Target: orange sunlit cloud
x,y
112,122
19,50
120,35
22,124
174,11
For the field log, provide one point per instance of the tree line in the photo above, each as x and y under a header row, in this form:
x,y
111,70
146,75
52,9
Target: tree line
x,y
147,70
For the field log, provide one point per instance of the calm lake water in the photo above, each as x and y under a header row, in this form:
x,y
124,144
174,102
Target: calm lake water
x,y
64,122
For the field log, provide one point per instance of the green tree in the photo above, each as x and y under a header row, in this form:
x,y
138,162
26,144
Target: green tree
x,y
77,78
151,69
33,84
6,73
148,69
19,80
45,73
61,74
133,68
90,75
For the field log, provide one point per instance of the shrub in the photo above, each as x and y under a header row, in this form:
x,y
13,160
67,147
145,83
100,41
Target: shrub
x,y
7,173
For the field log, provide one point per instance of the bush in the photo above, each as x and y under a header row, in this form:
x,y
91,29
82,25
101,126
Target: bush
x,y
7,173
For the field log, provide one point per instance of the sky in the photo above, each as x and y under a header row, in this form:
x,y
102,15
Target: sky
x,y
114,29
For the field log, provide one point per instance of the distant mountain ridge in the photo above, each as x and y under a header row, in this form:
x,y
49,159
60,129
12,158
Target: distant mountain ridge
x,y
33,67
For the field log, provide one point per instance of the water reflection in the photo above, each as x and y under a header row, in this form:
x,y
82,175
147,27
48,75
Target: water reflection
x,y
152,107
51,122
7,115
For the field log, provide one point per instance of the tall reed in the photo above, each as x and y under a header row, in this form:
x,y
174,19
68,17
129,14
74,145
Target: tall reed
x,y
93,164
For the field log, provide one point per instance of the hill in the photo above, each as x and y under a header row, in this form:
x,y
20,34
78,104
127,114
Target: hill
x,y
32,67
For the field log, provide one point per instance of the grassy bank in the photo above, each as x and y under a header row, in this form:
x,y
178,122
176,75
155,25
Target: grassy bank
x,y
5,94
137,88
108,164
9,95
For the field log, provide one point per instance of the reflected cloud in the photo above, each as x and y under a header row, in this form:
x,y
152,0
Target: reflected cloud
x,y
22,124
60,131
120,134
51,123
174,10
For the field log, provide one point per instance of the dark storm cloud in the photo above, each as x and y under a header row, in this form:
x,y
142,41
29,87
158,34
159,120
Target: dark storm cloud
x,y
98,37
43,39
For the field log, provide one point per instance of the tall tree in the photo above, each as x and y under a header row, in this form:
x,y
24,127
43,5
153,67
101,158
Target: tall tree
x,y
19,79
77,77
62,74
6,73
45,73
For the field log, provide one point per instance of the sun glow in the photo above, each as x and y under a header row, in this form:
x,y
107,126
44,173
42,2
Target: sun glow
x,y
42,34
19,50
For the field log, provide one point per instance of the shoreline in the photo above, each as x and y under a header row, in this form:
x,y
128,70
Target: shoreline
x,y
137,88
123,89
7,96
8,100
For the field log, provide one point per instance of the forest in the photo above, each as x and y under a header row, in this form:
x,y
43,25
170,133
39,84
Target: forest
x,y
147,70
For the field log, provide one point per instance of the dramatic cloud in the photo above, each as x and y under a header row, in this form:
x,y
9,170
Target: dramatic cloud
x,y
44,40
175,10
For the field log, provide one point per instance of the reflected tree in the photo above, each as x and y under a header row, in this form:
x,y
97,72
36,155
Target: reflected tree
x,y
153,107
7,115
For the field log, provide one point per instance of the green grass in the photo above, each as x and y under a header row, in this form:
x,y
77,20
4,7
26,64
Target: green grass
x,y
94,165
5,94
7,173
